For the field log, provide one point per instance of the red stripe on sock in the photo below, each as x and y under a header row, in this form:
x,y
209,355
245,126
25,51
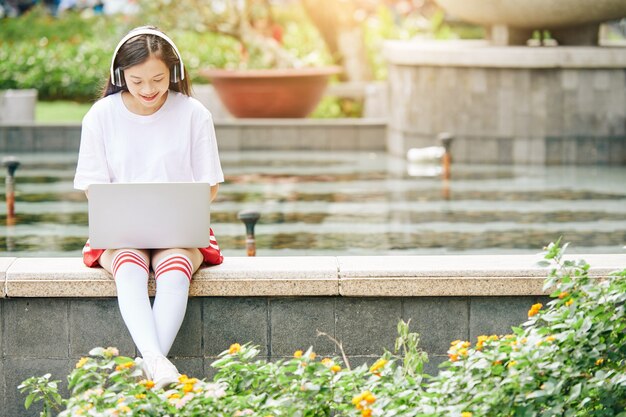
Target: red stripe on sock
x,y
129,257
120,259
173,268
129,261
175,260
175,263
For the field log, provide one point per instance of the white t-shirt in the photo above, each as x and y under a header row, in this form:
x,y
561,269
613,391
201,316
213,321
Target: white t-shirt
x,y
175,144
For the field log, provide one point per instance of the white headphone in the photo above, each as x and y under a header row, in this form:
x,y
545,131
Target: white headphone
x,y
177,72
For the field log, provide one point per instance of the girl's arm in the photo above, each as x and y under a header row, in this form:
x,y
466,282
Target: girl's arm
x,y
214,189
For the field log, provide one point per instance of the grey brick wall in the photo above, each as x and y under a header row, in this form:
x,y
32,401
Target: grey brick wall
x,y
353,134
509,115
41,335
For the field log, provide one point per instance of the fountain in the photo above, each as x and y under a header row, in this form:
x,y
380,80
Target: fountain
x,y
509,103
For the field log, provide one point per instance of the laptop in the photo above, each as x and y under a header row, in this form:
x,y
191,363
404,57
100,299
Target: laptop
x,y
149,215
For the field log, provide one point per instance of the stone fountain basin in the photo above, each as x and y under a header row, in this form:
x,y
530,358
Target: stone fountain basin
x,y
535,14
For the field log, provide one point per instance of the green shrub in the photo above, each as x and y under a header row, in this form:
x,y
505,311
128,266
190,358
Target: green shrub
x,y
566,360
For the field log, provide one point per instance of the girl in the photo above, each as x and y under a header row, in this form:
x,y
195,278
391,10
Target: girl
x,y
147,128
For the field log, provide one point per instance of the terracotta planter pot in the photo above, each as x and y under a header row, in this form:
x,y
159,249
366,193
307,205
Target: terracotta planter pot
x,y
271,93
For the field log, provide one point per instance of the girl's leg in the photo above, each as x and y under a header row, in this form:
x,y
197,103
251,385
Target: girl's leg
x,y
173,269
130,271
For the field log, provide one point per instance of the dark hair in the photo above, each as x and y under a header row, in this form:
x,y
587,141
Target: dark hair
x,y
137,50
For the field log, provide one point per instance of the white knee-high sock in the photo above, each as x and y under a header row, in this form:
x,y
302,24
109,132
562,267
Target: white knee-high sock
x,y
172,275
131,280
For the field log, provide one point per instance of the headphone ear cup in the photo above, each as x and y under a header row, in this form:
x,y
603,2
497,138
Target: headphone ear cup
x,y
174,74
118,79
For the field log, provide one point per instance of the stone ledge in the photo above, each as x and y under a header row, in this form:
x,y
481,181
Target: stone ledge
x,y
471,53
378,276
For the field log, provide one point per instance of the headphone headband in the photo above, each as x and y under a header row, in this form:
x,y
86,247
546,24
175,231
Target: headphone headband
x,y
146,31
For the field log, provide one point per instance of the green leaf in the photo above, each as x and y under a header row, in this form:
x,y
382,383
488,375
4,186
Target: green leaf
x,y
29,400
575,391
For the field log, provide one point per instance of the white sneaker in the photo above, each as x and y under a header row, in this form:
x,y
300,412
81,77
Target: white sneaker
x,y
164,372
143,365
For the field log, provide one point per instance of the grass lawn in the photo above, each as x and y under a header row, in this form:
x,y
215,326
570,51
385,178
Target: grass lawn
x,y
60,111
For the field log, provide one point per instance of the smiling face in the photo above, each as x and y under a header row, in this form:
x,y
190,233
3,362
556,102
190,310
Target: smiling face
x,y
147,85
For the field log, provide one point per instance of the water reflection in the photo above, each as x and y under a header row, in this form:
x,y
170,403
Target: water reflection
x,y
354,203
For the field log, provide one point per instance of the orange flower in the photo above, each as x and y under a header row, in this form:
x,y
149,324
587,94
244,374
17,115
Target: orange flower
x,y
335,368
366,413
534,309
234,348
147,383
563,294
123,366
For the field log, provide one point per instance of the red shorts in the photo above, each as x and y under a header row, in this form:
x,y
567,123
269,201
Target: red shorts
x,y
211,254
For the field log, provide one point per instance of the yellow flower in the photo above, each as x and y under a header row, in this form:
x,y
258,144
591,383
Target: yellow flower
x,y
600,361
140,396
453,357
81,362
297,354
466,414
364,397
569,302
550,339
234,348
455,342
534,309
123,366
512,363
378,364
335,368
125,409
173,395
187,388
147,383
463,352
328,362
312,356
